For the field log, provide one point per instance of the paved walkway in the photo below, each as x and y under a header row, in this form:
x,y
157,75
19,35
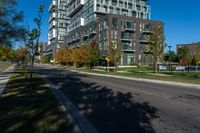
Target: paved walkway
x,y
4,78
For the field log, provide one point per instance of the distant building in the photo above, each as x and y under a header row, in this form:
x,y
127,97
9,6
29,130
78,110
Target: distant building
x,y
193,48
42,48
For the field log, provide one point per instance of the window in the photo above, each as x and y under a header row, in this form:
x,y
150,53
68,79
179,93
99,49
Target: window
x,y
114,22
130,59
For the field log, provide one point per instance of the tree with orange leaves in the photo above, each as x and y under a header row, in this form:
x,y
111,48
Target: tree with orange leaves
x,y
63,56
76,56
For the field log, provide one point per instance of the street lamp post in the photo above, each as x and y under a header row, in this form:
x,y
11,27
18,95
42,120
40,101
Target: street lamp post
x,y
170,58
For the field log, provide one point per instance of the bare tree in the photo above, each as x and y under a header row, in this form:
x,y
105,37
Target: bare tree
x,y
33,41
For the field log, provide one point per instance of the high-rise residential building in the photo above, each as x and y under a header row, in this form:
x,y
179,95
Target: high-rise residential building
x,y
82,12
58,23
126,21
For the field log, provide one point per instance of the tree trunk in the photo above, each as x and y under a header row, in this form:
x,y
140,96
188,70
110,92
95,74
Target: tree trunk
x,y
26,70
89,66
108,66
188,68
31,78
155,67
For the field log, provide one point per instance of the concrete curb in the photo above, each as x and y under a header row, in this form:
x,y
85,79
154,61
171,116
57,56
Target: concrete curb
x,y
80,123
143,80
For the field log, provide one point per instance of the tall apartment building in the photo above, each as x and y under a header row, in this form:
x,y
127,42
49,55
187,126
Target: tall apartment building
x,y
126,21
58,24
82,12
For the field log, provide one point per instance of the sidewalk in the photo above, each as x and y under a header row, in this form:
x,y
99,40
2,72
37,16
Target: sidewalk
x,y
4,78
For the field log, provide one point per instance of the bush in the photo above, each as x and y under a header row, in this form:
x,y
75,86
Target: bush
x,y
45,59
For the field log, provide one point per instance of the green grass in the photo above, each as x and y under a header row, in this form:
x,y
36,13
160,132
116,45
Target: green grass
x,y
135,69
22,113
4,66
175,76
147,73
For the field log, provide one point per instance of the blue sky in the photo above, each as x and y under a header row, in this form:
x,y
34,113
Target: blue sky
x,y
181,18
30,8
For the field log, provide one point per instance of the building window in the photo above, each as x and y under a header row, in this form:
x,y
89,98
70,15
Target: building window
x,y
114,22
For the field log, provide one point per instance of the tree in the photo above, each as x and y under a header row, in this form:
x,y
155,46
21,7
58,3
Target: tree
x,y
93,54
33,40
182,55
156,44
46,59
9,22
115,51
197,57
194,61
6,54
21,55
76,56
63,55
83,52
171,56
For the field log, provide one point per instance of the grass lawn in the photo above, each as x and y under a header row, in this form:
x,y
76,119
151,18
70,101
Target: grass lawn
x,y
148,74
183,79
22,113
4,66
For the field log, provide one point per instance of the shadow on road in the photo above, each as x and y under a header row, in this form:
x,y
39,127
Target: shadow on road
x,y
109,111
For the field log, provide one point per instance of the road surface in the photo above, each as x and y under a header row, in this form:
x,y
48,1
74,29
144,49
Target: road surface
x,y
116,105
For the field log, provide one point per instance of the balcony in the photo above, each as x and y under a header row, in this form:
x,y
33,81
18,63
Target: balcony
x,y
146,49
75,7
52,25
53,16
101,10
93,33
77,39
127,48
52,5
143,41
147,31
129,29
85,37
126,39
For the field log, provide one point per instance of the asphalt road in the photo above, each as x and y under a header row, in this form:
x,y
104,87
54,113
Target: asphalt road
x,y
115,105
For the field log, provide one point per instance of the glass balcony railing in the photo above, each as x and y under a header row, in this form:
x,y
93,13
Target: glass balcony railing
x,y
75,7
127,47
147,30
143,40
